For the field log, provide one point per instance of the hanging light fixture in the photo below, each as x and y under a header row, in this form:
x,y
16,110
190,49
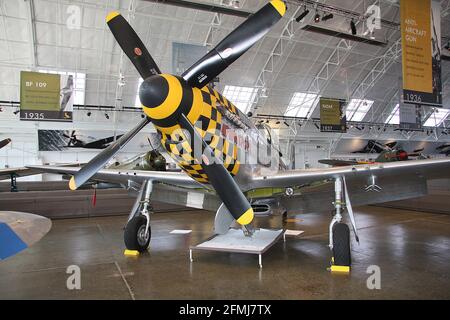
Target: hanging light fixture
x,y
317,17
302,15
327,16
353,27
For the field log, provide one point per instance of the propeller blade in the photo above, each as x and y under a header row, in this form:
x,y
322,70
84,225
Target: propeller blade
x,y
132,45
224,184
235,44
103,157
419,150
5,142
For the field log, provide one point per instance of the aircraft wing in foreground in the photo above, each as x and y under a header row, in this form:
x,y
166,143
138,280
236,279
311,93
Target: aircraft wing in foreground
x,y
389,177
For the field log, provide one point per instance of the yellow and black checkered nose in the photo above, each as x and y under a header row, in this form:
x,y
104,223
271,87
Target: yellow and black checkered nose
x,y
164,98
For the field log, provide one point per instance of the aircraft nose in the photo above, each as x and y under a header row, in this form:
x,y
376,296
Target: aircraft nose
x,y
161,96
153,91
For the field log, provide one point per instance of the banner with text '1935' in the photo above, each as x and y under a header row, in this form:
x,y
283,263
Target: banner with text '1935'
x,y
46,97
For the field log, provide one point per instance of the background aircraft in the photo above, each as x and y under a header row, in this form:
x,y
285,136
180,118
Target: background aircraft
x,y
74,142
384,156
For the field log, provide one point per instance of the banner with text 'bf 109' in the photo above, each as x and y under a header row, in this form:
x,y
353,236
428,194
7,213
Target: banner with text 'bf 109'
x,y
46,97
421,51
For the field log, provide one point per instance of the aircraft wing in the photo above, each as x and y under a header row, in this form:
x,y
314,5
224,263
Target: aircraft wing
x,y
18,172
366,184
122,176
29,170
390,172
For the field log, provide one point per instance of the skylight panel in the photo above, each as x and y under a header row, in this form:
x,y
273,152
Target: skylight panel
x,y
437,117
241,97
357,109
394,116
301,105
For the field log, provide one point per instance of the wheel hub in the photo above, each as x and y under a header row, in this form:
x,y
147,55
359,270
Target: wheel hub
x,y
142,236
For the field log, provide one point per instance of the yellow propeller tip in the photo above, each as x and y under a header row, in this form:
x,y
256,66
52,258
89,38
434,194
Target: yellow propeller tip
x,y
280,6
246,217
112,15
72,184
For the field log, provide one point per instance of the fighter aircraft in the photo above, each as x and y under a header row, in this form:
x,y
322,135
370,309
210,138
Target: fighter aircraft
x,y
207,135
384,156
74,142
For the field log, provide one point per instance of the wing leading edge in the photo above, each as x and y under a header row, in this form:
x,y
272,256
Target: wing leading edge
x,y
427,169
123,175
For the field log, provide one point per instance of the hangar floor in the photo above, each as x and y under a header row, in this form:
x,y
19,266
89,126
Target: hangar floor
x,y
411,248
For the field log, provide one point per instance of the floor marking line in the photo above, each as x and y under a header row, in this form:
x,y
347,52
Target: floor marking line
x,y
125,280
130,291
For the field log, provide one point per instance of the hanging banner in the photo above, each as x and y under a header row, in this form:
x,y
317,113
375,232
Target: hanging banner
x,y
421,51
410,117
332,117
46,97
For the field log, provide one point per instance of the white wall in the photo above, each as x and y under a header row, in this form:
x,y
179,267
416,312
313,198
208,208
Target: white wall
x,y
307,154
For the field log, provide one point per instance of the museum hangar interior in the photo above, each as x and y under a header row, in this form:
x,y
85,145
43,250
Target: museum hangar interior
x,y
276,149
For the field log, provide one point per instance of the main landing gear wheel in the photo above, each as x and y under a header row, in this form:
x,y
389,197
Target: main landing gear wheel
x,y
341,244
134,235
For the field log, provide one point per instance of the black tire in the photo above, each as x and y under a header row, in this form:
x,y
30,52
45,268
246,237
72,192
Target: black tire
x,y
285,216
341,245
133,235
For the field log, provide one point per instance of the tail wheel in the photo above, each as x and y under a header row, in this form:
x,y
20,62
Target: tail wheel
x,y
341,245
135,237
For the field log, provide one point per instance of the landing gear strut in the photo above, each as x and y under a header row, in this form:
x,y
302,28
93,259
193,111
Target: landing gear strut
x,y
339,234
138,232
13,183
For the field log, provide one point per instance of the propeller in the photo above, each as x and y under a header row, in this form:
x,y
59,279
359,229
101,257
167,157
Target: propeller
x,y
72,138
154,91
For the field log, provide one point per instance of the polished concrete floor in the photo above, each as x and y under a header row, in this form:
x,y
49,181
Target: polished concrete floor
x,y
412,250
